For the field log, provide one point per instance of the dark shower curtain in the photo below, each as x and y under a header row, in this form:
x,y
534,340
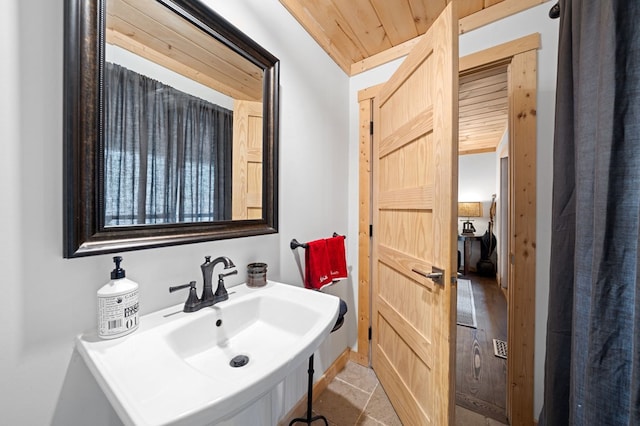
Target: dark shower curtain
x,y
592,366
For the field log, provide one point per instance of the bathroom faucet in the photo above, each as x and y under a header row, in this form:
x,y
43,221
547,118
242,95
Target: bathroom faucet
x,y
208,297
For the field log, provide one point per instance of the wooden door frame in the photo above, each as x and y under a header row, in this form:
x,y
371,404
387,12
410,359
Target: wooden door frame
x,y
521,55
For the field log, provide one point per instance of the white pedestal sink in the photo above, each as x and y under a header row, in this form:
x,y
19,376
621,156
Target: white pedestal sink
x,y
175,369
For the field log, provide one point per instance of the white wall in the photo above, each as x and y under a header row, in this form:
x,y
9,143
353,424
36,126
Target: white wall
x,y
535,20
49,300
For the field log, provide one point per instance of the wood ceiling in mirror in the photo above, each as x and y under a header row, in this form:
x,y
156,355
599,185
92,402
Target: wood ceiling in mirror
x,y
154,32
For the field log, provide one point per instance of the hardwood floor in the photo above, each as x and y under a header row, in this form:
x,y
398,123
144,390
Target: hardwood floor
x,y
480,375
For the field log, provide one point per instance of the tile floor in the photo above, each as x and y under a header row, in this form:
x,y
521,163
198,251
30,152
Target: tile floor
x,y
355,397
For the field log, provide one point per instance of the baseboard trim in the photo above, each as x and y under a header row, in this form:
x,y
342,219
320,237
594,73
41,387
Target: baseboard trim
x,y
300,409
359,358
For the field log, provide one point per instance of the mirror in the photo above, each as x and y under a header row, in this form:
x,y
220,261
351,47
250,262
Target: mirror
x,y
170,127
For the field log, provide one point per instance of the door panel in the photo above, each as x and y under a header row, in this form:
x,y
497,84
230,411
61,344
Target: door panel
x,y
415,194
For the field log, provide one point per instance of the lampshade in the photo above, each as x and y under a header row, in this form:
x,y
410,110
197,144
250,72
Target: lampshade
x,y
470,209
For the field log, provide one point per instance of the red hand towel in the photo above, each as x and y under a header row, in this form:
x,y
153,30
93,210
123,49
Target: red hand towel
x,y
337,257
317,266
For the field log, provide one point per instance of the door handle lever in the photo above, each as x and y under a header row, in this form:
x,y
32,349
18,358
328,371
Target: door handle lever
x,y
435,275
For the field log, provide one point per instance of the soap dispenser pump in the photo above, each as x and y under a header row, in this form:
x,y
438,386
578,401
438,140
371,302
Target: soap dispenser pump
x,y
117,304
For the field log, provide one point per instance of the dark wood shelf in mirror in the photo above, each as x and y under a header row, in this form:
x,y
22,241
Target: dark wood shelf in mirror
x,y
89,25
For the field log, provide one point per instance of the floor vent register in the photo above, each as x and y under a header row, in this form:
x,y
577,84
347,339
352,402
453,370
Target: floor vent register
x,y
500,348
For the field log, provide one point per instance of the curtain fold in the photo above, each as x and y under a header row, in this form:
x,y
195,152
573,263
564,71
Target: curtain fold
x,y
592,365
167,153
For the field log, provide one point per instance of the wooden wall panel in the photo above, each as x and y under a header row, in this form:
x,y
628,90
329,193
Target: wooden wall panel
x,y
247,160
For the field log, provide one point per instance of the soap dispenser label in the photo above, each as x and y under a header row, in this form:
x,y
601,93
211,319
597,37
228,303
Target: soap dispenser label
x,y
118,315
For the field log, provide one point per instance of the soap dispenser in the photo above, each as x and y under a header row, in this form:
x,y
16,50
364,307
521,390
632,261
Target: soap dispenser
x,y
117,304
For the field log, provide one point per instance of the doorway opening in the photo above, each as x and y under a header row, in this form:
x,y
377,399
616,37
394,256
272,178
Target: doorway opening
x,y
481,330
520,57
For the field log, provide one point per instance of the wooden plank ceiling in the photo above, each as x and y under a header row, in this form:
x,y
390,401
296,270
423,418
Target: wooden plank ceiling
x,y
351,31
483,110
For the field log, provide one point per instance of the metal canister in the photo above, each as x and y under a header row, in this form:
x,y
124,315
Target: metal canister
x,y
256,274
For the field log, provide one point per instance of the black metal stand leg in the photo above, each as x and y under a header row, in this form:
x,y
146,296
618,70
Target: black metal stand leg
x,y
308,420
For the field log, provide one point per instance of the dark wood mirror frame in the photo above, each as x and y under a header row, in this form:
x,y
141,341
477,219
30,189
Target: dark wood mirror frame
x,y
84,230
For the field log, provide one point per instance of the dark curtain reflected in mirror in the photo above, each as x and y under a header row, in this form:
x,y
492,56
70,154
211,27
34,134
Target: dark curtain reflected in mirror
x,y
167,153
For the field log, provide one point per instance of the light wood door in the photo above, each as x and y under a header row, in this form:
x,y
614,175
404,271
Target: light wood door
x,y
415,158
247,160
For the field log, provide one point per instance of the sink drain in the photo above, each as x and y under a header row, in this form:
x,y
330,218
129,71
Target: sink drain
x,y
239,361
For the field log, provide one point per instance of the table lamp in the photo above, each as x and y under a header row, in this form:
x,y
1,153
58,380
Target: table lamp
x,y
469,210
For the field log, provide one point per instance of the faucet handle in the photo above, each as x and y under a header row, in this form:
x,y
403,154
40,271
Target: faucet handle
x,y
180,287
221,292
193,303
222,276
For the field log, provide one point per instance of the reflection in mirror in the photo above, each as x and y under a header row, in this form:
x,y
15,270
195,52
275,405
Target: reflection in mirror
x,y
171,127
182,113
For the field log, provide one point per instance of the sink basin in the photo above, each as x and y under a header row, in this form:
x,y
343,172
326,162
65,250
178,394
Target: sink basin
x,y
202,367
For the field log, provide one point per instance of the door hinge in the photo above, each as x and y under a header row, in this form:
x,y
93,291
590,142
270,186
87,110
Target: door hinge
x,y
370,231
370,333
371,127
